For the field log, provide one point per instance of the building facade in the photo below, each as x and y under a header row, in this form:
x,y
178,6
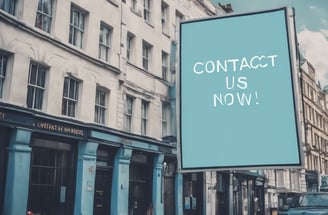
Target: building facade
x,y
316,130
283,183
87,108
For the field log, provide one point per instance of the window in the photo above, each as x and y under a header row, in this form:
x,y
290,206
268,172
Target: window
x,y
100,107
147,10
280,178
3,71
165,63
144,117
8,6
70,96
44,15
129,46
134,5
165,118
165,10
35,86
146,55
178,19
76,29
104,41
128,113
295,185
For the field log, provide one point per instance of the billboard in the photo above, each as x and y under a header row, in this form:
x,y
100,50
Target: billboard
x,y
237,94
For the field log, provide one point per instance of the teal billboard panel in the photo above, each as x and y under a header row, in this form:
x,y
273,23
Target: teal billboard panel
x,y
238,92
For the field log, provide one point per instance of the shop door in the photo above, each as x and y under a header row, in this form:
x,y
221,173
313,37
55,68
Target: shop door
x,y
140,187
4,134
169,187
52,178
102,192
103,183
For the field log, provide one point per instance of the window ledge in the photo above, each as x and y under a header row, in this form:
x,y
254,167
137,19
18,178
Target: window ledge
x,y
113,2
138,13
150,24
166,34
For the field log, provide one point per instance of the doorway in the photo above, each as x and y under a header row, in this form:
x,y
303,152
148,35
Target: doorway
x,y
103,182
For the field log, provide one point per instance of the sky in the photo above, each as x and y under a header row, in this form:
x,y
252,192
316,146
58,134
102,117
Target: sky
x,y
311,20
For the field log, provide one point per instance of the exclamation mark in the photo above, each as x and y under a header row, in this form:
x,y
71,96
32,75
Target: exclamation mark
x,y
256,97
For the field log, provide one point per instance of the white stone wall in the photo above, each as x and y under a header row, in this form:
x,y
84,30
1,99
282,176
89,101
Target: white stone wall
x,y
27,43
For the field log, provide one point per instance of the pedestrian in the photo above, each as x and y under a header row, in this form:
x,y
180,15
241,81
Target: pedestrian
x,y
150,210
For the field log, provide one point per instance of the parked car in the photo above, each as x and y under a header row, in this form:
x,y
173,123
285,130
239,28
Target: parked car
x,y
314,203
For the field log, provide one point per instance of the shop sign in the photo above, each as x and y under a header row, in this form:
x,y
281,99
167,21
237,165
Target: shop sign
x,y
238,92
56,127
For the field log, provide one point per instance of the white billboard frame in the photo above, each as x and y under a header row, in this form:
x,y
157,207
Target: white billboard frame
x,y
297,97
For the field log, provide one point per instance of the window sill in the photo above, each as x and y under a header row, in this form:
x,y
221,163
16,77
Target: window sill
x,y
138,13
166,34
150,24
113,2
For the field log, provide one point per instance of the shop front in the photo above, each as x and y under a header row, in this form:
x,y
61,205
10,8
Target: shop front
x,y
243,193
53,165
193,193
248,193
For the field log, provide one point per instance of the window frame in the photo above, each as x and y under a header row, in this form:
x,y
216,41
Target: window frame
x,y
165,118
105,41
77,29
128,113
36,88
178,18
69,101
146,55
164,17
144,116
44,16
130,40
134,5
4,59
147,10
9,6
165,66
101,105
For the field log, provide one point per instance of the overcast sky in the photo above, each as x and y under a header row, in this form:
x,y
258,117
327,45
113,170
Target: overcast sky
x,y
311,18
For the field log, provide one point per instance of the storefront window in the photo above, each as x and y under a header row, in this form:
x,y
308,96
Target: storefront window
x,y
193,193
52,178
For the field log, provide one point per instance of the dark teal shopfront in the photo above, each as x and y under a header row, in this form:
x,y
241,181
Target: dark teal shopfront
x,y
53,165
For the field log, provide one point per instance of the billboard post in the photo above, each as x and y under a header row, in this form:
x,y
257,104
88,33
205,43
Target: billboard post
x,y
238,93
